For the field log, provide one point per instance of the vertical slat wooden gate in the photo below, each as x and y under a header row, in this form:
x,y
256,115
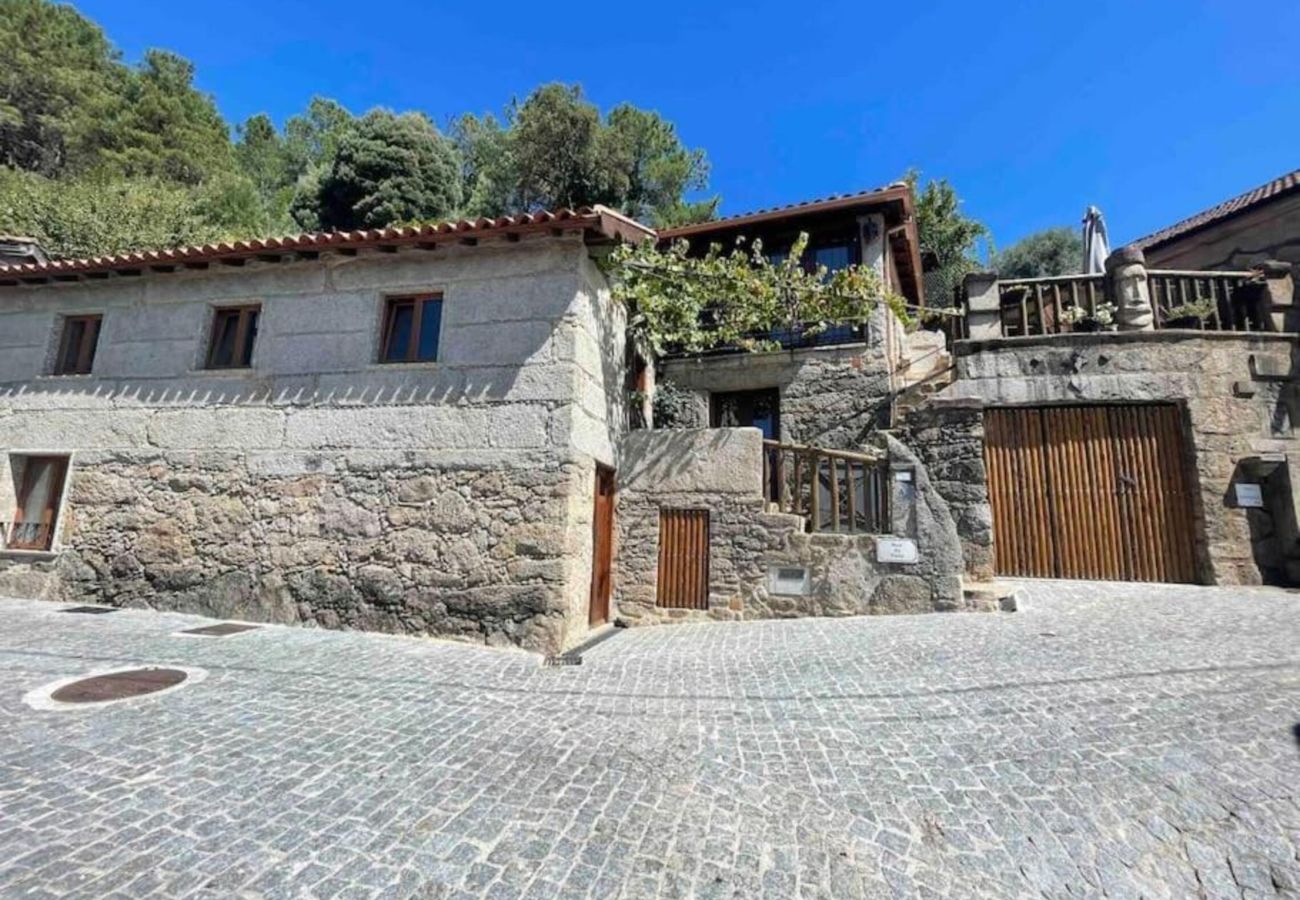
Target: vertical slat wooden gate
x,y
1098,492
683,559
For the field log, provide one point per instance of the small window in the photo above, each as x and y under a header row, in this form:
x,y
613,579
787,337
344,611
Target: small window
x,y
411,327
234,329
38,484
77,345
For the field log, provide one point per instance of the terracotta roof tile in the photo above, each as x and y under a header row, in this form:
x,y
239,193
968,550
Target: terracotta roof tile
x,y
597,219
886,193
1265,192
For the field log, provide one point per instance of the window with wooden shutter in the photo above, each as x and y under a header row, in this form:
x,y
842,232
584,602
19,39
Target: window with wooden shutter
x,y
234,330
38,481
77,344
683,559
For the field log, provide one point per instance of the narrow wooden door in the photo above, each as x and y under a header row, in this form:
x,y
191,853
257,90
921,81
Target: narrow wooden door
x,y
602,543
1098,492
683,577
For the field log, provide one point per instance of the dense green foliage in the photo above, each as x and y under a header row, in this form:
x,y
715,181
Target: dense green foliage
x,y
737,297
948,237
389,168
76,121
1053,251
555,150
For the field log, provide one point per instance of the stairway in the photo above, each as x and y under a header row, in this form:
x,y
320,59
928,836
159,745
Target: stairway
x,y
924,369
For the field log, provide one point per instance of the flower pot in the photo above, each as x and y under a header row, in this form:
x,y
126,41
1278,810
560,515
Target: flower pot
x,y
1086,325
1183,322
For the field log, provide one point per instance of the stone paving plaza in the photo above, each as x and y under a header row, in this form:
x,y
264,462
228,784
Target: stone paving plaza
x,y
1106,740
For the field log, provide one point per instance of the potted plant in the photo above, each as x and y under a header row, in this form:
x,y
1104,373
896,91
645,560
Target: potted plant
x,y
1080,319
1189,315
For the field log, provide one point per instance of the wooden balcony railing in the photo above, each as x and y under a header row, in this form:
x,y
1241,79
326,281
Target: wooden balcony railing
x,y
1034,306
834,490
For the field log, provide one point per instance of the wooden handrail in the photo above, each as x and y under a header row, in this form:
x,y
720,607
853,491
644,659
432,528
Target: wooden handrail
x,y
834,490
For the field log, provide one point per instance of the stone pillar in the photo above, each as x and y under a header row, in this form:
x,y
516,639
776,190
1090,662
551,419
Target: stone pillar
x,y
1126,277
983,306
1272,302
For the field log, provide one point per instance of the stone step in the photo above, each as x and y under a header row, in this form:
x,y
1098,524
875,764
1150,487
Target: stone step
x,y
990,595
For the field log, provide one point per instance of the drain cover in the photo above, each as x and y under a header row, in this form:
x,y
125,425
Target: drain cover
x,y
118,685
90,610
221,630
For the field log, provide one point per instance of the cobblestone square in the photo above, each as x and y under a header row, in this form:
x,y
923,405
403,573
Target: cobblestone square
x,y
1106,740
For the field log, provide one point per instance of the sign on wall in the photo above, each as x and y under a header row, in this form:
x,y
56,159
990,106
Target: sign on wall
x,y
896,550
1249,495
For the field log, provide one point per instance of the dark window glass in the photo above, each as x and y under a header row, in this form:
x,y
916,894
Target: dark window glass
x,y
234,330
748,409
77,345
833,258
411,329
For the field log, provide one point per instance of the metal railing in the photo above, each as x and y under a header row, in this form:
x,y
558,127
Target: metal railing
x,y
1065,303
834,490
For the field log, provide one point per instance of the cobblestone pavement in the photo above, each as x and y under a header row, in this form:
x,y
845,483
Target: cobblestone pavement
x,y
1107,740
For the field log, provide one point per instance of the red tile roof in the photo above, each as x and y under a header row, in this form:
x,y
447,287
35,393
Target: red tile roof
x,y
897,191
598,220
1262,194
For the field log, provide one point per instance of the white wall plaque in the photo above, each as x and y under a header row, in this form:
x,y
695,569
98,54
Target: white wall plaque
x,y
896,550
1249,495
789,580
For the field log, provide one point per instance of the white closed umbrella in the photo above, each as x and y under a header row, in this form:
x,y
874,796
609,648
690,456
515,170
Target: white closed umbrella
x,y
1096,247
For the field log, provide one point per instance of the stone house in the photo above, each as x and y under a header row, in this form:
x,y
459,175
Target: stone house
x,y
1156,448
395,430
1259,225
426,430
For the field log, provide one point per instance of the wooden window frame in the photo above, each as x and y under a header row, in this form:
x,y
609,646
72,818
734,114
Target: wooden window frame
x,y
85,360
53,509
418,302
245,313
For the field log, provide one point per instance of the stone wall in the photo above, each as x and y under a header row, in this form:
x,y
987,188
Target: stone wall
x,y
834,396
1239,396
720,470
948,438
525,398
399,542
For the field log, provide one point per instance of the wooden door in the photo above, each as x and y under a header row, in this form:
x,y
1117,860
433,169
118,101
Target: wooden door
x,y
1098,492
602,547
683,578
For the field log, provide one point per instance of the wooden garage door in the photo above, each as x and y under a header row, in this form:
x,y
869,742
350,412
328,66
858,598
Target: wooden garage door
x,y
1090,492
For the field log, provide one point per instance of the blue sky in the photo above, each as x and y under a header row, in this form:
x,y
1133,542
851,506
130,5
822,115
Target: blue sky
x,y
1151,110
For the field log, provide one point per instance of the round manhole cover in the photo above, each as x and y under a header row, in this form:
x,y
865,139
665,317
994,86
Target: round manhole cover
x,y
118,685
114,686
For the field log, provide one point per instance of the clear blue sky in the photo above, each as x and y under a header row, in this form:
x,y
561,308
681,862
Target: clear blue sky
x,y
1151,110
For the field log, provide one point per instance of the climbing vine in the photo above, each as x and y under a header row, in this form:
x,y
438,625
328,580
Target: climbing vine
x,y
737,298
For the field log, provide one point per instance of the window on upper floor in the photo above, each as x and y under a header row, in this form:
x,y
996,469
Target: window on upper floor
x,y
38,488
234,331
411,329
77,344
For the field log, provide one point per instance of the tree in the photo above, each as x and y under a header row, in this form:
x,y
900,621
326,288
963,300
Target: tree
x,y
165,128
947,236
490,186
390,168
1053,251
58,75
555,150
96,215
554,136
650,170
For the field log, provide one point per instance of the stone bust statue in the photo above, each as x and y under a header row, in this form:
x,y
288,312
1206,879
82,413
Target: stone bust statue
x,y
1127,271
